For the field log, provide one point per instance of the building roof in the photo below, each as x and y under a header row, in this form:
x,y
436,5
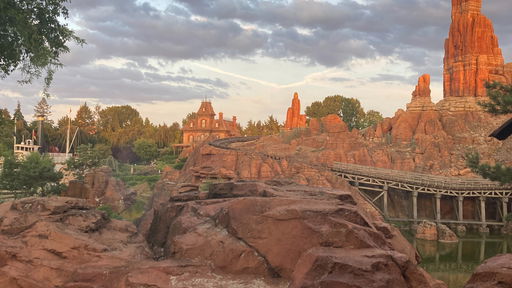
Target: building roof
x,y
206,109
504,131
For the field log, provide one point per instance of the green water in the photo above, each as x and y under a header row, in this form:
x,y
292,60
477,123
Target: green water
x,y
454,263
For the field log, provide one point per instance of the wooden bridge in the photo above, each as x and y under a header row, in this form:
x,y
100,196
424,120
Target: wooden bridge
x,y
379,184
450,200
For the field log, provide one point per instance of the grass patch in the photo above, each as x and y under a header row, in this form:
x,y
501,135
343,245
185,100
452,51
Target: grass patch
x,y
110,213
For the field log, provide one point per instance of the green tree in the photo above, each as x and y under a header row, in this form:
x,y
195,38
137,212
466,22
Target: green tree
x,y
33,38
42,109
189,117
500,103
87,158
500,98
34,175
21,124
6,130
146,150
120,125
349,109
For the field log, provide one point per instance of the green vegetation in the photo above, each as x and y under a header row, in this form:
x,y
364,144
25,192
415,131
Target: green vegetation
x,y
88,157
500,102
349,109
36,38
110,213
268,127
34,175
180,163
146,150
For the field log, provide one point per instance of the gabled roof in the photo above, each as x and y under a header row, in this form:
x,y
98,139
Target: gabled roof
x,y
504,131
206,109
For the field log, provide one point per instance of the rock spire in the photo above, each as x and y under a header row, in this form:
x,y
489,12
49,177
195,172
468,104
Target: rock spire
x,y
472,57
293,117
421,100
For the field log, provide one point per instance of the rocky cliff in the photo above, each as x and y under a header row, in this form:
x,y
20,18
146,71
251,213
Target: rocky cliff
x,y
472,57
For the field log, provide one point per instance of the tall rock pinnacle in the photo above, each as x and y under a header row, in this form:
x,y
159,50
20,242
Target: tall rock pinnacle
x,y
472,55
421,100
293,117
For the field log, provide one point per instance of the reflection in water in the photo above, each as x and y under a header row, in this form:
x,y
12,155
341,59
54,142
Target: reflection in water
x,y
454,263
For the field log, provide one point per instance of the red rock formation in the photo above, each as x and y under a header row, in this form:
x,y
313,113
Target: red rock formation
x,y
64,242
293,117
472,57
493,273
265,229
99,187
421,100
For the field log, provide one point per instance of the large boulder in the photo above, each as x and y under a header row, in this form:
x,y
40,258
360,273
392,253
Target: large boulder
x,y
265,229
495,272
65,242
99,187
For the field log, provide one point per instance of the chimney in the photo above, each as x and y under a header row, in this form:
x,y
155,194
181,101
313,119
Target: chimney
x,y
221,116
234,122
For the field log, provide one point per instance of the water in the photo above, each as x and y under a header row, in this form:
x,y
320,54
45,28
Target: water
x,y
454,263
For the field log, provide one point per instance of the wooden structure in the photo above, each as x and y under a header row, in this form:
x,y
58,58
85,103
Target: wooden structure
x,y
451,188
466,197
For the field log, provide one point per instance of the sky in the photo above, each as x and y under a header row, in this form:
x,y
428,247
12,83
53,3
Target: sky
x,y
249,57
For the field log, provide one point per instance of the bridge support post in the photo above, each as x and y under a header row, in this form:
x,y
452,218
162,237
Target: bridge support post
x,y
483,228
460,208
504,202
461,229
385,200
415,206
438,207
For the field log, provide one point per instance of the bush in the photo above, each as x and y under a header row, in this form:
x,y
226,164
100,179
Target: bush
x,y
110,213
180,163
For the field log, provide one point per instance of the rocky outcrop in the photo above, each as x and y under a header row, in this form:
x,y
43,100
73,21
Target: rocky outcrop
x,y
293,117
365,268
99,187
421,100
427,230
495,272
472,57
65,242
281,229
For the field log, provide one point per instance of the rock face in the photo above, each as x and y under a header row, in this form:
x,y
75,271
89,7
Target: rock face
x,y
293,117
65,242
281,229
495,272
100,188
421,100
472,57
427,230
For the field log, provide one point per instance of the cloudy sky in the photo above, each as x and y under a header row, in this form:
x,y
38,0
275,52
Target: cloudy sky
x,y
249,57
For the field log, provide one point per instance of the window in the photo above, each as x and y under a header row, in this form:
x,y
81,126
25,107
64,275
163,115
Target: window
x,y
203,123
217,125
191,138
191,124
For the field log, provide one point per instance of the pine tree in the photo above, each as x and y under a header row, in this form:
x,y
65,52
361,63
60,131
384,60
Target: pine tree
x,y
42,109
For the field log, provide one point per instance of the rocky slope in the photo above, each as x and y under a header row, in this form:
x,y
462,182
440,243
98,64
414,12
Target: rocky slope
x,y
311,236
65,242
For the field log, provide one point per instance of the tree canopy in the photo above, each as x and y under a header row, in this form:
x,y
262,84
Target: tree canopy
x,y
349,109
33,36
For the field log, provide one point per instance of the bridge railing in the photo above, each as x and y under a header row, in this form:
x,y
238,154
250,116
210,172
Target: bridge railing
x,y
414,178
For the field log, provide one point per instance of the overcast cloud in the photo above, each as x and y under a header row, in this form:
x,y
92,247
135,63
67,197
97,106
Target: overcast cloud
x,y
138,53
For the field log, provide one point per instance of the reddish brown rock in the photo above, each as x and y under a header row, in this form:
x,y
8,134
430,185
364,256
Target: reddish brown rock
x,y
421,100
444,234
99,187
365,268
65,242
293,117
427,231
263,229
495,272
472,57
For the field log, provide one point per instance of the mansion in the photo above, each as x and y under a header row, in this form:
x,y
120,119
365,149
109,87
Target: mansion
x,y
204,126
